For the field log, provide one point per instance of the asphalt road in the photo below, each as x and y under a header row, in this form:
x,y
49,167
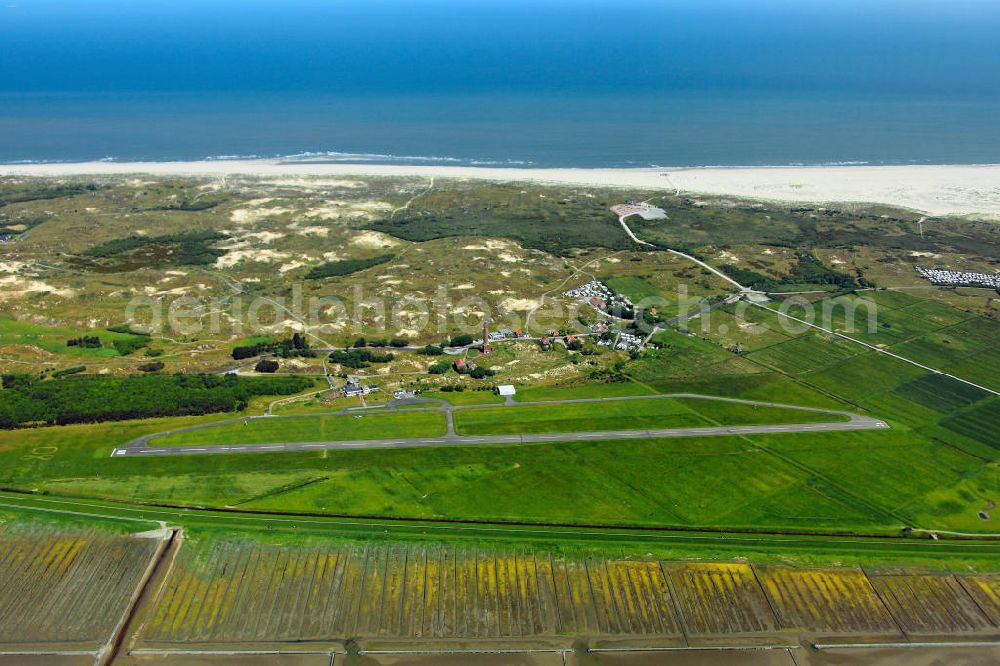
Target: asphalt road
x,y
143,447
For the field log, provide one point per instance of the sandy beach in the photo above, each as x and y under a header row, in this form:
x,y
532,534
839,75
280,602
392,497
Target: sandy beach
x,y
972,190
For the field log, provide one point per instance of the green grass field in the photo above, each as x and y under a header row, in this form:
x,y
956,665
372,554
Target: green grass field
x,y
278,430
53,338
936,468
626,415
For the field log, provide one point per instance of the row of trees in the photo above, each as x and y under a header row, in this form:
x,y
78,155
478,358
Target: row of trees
x,y
360,358
380,342
297,345
26,400
85,342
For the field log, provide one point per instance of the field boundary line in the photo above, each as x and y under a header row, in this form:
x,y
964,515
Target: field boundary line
x,y
879,349
909,644
112,648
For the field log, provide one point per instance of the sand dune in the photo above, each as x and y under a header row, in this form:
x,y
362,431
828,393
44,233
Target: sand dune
x,y
934,190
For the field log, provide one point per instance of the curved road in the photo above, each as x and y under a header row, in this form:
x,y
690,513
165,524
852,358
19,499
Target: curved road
x,y
141,446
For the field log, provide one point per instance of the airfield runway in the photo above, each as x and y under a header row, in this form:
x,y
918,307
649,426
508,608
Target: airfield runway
x,y
142,447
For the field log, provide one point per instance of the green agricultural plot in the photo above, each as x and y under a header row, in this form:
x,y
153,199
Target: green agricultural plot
x,y
636,289
618,389
627,415
277,430
808,352
53,339
940,393
981,423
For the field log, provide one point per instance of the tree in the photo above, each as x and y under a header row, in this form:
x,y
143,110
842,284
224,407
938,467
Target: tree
x,y
266,365
398,342
439,368
461,341
431,350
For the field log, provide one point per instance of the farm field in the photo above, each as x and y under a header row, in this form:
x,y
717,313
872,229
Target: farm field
x,y
237,592
67,587
312,429
627,415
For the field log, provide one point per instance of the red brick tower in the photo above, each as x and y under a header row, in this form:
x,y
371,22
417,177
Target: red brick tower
x,y
486,336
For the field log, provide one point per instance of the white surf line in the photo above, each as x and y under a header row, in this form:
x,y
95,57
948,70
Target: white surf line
x,y
878,349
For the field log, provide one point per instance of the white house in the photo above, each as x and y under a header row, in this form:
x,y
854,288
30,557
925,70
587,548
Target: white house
x,y
506,390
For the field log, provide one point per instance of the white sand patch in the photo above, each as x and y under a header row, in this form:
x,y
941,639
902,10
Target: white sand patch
x,y
475,247
12,286
265,237
253,215
235,257
374,240
331,256
407,332
287,324
519,304
728,256
389,281
178,291
17,227
316,183
769,251
498,292
915,253
358,210
612,260
837,262
467,285
933,189
11,266
290,266
177,273
508,258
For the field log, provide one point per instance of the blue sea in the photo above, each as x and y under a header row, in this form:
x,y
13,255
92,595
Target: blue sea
x,y
534,83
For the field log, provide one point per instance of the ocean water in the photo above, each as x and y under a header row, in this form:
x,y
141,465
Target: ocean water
x,y
503,82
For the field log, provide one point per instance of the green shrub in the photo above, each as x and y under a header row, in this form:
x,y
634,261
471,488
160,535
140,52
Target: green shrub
x,y
126,346
86,342
266,365
345,267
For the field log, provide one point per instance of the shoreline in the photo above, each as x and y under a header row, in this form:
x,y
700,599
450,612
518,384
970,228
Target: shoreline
x,y
964,190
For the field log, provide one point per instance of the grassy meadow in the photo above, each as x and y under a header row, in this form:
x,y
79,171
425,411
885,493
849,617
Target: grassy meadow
x,y
938,467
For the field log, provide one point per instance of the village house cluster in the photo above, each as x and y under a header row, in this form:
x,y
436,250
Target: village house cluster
x,y
960,278
599,296
625,342
503,334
